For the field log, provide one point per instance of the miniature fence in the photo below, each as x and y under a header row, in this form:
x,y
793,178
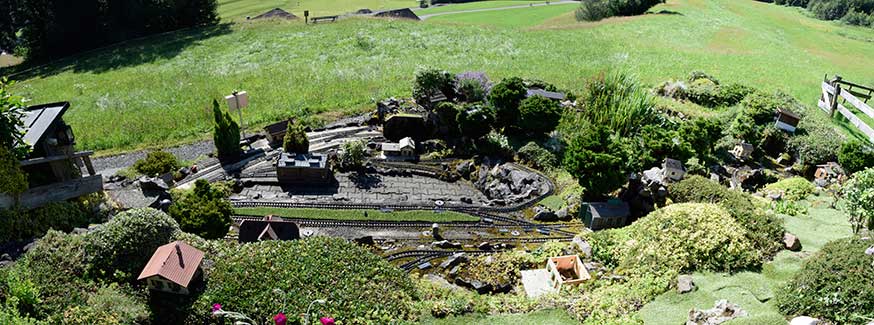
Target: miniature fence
x,y
854,95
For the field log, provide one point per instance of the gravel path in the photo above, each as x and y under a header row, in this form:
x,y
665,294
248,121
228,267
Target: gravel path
x,y
109,165
423,17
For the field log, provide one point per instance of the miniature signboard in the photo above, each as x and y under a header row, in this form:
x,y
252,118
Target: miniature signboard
x,y
238,100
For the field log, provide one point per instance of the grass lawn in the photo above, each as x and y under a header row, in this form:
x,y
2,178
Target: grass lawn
x,y
474,5
372,215
509,18
156,92
236,9
754,291
541,317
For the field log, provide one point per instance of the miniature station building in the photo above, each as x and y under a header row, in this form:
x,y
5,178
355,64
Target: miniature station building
x,y
787,120
404,150
275,133
303,169
673,169
172,268
270,228
604,215
53,165
829,173
742,151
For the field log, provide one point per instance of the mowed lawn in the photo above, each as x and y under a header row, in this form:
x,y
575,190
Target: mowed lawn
x,y
508,18
363,215
487,4
239,9
156,92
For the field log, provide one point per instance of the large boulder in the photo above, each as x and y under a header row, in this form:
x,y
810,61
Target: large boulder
x,y
544,214
685,284
791,242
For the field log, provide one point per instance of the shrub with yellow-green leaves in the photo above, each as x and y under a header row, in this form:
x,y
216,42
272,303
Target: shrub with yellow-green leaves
x,y
504,267
793,189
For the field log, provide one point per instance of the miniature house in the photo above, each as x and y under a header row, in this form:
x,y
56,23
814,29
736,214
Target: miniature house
x,y
787,120
566,270
303,169
53,166
673,169
270,228
603,215
172,268
403,150
548,94
830,172
275,133
742,151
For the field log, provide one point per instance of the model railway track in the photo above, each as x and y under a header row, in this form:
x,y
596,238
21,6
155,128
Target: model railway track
x,y
320,223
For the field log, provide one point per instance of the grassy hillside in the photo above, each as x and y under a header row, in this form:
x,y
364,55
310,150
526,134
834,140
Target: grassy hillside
x,y
509,18
155,92
236,9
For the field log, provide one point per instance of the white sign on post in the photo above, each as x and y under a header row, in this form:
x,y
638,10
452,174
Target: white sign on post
x,y
238,100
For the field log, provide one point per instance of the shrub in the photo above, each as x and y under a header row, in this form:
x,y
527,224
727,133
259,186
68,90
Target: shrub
x,y
360,287
600,9
109,305
859,196
536,156
538,114
226,133
157,163
699,75
496,145
652,145
295,139
817,143
706,91
829,9
793,189
857,18
122,246
594,10
702,134
203,211
474,121
14,180
472,86
27,224
430,82
764,230
353,154
855,156
505,98
12,121
618,102
506,267
592,157
834,284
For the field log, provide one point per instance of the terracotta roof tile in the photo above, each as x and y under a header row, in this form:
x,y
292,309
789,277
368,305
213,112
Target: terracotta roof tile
x,y
176,262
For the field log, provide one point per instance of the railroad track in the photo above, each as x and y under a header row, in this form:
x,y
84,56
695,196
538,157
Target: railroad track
x,y
320,223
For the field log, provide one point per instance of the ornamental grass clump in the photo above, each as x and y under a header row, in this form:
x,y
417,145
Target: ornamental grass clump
x,y
618,101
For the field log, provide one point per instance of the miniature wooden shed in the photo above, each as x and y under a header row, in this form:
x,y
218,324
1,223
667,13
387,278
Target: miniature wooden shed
x,y
403,150
566,270
603,215
673,169
787,120
742,151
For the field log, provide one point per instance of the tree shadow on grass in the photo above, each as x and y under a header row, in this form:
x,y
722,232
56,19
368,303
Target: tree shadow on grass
x,y
121,55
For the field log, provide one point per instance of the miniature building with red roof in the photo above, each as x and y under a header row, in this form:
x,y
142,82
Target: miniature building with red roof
x,y
172,268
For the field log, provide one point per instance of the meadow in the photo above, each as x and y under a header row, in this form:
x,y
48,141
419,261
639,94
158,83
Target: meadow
x,y
364,215
515,18
156,91
230,10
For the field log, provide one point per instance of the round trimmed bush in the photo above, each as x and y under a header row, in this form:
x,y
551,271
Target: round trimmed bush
x,y
538,114
122,246
833,284
360,287
505,97
157,163
855,156
793,189
203,211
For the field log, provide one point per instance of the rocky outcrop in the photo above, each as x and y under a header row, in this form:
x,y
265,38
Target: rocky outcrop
x,y
506,184
721,312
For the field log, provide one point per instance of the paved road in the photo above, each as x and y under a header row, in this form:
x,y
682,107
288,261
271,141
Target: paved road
x,y
423,17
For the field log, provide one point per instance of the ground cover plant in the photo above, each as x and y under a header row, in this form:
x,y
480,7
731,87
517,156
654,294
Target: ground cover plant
x,y
156,163
371,215
858,194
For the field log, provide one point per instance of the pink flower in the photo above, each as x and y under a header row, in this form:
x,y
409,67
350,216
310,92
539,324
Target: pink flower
x,y
280,319
327,321
216,307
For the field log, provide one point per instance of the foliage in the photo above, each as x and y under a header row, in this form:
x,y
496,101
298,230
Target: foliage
x,y
706,93
296,140
431,82
600,9
226,133
505,267
352,155
495,144
855,156
610,302
157,163
474,120
829,9
816,143
652,145
27,224
793,188
505,98
858,193
14,180
538,114
536,156
592,158
120,247
617,101
360,287
471,90
834,284
594,10
701,134
109,305
204,211
857,18
764,230
12,121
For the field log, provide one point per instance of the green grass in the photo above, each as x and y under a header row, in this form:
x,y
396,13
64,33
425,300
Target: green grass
x,y
156,92
541,317
474,5
509,18
372,215
235,9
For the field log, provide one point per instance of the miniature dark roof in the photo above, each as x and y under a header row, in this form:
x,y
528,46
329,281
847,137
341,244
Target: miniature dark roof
x,y
544,93
404,13
789,113
177,262
364,11
406,115
609,209
38,119
299,160
276,13
277,127
268,229
673,163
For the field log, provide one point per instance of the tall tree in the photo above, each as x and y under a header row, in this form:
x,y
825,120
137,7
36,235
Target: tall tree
x,y
226,133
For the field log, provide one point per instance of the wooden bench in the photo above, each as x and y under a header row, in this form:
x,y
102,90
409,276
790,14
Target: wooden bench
x,y
324,18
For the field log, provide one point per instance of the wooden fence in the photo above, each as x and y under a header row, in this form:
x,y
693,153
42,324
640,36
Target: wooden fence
x,y
837,92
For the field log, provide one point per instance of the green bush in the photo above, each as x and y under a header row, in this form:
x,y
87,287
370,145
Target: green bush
x,y
474,121
652,145
122,246
793,188
592,157
816,143
834,284
702,134
855,156
703,91
157,163
204,211
109,305
829,9
472,90
360,287
599,9
857,18
14,180
594,10
858,193
764,230
538,115
430,82
352,156
27,224
226,133
495,144
295,140
12,122
505,98
536,156
619,102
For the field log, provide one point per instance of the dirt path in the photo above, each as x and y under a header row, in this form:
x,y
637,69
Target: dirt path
x,y
424,17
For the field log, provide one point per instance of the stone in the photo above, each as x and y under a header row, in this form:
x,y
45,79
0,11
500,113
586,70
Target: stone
x,y
453,261
153,184
366,241
5,257
465,169
502,288
791,242
445,244
545,215
454,271
685,284
489,260
480,287
28,247
583,246
562,214
804,320
721,312
485,246
869,251
79,231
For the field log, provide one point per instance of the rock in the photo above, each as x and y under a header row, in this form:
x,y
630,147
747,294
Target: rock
x,y
870,251
583,246
184,171
545,215
791,242
445,244
153,184
424,266
804,320
562,213
775,196
465,169
453,261
466,200
366,241
502,288
721,312
454,271
79,231
5,257
685,284
480,287
28,247
485,246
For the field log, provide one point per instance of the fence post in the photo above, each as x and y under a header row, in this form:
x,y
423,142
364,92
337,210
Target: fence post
x,y
834,103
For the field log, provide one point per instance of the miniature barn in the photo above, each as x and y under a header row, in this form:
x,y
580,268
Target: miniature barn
x,y
269,228
172,268
53,166
566,270
742,151
787,120
603,215
673,169
404,150
303,169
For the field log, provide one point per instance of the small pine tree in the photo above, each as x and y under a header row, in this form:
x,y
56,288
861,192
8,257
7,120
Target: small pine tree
x,y
226,133
296,139
204,211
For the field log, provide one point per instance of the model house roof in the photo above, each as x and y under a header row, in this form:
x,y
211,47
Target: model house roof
x,y
299,160
609,209
786,112
673,163
176,262
405,143
544,93
268,229
278,127
38,119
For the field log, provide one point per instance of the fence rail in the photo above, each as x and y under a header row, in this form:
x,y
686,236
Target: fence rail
x,y
836,93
